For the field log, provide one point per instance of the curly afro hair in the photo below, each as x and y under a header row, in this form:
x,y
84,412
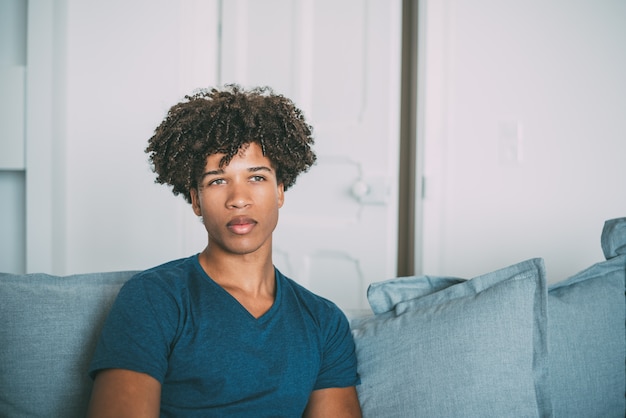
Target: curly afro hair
x,y
226,120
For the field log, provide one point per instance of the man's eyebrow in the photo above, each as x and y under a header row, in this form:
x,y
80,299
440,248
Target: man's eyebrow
x,y
220,171
213,173
260,168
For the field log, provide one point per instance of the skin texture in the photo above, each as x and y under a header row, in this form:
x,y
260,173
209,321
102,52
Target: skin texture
x,y
333,402
121,393
239,206
235,178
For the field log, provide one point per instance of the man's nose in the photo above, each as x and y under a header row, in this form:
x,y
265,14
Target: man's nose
x,y
239,196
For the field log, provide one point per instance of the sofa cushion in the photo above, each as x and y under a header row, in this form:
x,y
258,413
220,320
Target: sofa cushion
x,y
587,334
384,296
586,328
614,238
49,326
475,348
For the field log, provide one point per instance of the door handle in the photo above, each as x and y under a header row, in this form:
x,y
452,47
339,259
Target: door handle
x,y
371,191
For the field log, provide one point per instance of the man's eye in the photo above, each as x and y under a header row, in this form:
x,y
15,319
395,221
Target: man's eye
x,y
258,178
216,181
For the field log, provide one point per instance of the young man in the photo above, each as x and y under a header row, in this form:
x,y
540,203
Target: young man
x,y
223,333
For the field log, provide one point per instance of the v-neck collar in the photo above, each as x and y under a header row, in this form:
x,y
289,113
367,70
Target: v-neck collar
x,y
267,315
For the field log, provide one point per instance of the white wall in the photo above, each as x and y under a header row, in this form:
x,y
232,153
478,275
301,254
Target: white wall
x,y
12,164
496,194
12,222
101,78
99,81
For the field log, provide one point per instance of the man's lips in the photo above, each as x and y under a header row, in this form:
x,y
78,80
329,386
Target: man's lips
x,y
241,225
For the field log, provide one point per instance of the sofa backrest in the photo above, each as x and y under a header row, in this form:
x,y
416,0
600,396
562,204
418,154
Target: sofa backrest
x,y
49,326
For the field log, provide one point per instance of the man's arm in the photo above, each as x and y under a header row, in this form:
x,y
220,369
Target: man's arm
x,y
333,402
123,393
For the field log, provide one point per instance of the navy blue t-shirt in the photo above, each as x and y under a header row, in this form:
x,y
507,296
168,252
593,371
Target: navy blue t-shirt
x,y
212,357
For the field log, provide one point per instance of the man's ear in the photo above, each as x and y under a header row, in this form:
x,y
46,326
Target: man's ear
x,y
195,201
281,194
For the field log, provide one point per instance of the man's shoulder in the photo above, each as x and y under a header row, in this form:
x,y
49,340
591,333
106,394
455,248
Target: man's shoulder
x,y
170,275
186,263
316,304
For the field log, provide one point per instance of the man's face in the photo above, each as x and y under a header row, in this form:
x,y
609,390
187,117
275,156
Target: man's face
x,y
239,203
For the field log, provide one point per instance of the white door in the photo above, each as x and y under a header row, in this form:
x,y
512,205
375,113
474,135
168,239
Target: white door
x,y
340,62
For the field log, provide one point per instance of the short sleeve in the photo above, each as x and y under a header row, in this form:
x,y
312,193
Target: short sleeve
x,y
138,332
339,367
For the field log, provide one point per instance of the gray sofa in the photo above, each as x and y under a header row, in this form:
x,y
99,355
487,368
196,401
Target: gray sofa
x,y
502,344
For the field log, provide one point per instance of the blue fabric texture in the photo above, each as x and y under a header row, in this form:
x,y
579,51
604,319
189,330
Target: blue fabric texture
x,y
586,328
439,346
477,348
587,334
613,238
213,357
384,296
48,330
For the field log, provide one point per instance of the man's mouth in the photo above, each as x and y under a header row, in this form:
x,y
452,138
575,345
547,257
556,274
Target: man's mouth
x,y
241,225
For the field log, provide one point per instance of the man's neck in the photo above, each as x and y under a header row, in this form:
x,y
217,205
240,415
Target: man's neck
x,y
251,275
